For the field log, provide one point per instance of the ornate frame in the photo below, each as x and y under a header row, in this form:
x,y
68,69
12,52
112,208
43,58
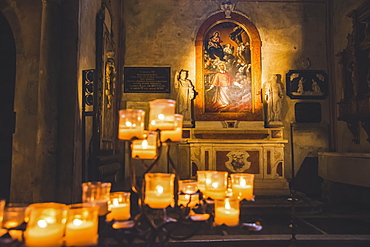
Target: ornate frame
x,y
256,111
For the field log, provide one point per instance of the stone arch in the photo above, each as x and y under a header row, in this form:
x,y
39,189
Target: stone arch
x,y
255,112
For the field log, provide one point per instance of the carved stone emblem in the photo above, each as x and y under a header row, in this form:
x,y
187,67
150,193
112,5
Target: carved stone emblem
x,y
237,161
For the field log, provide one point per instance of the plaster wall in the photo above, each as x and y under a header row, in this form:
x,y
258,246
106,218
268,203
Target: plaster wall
x,y
342,26
162,33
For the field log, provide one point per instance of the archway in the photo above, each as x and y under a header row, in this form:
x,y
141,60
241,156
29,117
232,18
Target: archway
x,y
7,115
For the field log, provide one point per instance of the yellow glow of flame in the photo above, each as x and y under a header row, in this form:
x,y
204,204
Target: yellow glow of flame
x,y
42,223
77,222
243,182
161,116
144,144
159,190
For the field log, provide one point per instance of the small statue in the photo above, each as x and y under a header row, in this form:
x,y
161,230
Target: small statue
x,y
273,97
185,95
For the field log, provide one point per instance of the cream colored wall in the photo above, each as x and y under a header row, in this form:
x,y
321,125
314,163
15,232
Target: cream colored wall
x,y
162,33
342,26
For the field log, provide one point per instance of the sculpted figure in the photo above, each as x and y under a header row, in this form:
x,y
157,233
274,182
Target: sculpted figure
x,y
273,96
186,93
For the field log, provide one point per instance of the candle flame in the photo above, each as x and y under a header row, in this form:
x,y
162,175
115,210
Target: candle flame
x,y
42,223
227,205
215,185
243,182
128,124
161,116
144,144
77,222
115,202
159,190
187,197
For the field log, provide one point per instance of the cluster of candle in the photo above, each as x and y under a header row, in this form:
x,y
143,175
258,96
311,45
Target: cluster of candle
x,y
55,224
162,117
227,192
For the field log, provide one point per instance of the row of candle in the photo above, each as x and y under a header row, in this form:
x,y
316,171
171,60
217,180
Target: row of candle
x,y
159,192
56,224
162,117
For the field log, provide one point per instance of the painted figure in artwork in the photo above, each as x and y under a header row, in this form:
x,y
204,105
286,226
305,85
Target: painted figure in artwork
x,y
227,69
186,93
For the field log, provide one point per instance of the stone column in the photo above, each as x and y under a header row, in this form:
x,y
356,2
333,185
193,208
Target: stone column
x,y
46,150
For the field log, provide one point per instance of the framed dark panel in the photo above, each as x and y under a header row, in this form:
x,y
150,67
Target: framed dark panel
x,y
147,79
309,112
307,84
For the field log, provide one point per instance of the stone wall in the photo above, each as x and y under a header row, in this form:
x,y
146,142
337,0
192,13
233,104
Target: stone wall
x,y
162,33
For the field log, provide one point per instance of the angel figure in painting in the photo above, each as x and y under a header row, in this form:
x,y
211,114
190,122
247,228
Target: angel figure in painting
x,y
273,96
186,94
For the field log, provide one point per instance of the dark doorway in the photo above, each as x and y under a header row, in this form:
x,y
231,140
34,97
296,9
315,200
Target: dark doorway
x,y
7,115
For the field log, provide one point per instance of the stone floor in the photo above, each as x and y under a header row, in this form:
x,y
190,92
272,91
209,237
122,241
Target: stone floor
x,y
314,225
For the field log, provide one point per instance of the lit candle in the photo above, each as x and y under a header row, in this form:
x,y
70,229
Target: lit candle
x,y
161,115
46,224
188,186
227,212
188,200
119,206
159,189
131,124
216,184
145,149
176,134
201,178
242,186
82,225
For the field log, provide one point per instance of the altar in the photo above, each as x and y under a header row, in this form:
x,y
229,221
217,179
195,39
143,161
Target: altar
x,y
249,149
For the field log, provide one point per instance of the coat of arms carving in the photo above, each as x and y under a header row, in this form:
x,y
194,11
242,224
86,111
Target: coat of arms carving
x,y
237,161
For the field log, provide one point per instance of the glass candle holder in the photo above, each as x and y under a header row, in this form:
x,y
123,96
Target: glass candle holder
x,y
161,116
14,215
227,212
201,179
97,194
147,148
176,134
46,224
242,186
159,190
82,225
216,184
119,206
188,200
188,186
131,124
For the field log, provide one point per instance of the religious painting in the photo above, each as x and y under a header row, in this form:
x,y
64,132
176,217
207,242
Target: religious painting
x,y
307,84
227,69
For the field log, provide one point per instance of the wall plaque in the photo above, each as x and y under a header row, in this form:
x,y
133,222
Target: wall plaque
x,y
147,79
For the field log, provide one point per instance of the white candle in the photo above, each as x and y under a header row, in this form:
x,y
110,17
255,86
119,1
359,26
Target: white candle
x,y
145,149
119,212
229,217
44,235
128,134
243,192
81,233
